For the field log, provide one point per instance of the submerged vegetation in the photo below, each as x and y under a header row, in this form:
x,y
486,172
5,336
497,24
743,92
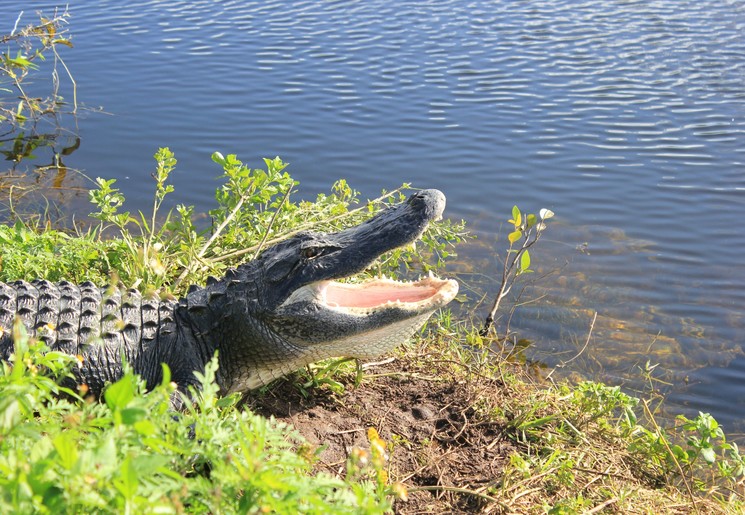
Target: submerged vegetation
x,y
25,47
447,425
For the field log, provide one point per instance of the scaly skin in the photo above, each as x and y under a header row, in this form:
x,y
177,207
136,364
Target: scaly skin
x,y
265,319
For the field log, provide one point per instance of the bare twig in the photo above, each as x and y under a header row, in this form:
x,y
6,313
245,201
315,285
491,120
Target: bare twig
x,y
72,80
15,26
581,351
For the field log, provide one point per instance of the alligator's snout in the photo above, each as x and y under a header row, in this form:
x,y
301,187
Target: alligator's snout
x,y
429,200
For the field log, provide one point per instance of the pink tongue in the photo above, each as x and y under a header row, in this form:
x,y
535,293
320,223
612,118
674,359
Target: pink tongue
x,y
372,296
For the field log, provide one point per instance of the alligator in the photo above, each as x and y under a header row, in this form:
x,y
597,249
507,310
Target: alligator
x,y
265,319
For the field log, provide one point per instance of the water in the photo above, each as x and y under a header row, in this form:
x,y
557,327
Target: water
x,y
626,118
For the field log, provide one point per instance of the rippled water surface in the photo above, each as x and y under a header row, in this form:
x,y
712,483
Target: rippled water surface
x,y
626,118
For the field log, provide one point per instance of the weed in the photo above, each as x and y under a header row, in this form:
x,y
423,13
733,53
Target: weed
x,y
32,43
527,229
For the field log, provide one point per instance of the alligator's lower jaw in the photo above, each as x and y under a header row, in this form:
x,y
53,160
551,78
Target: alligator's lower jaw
x,y
360,320
329,319
424,295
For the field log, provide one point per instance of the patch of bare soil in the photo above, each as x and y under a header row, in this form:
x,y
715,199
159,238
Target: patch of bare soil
x,y
442,445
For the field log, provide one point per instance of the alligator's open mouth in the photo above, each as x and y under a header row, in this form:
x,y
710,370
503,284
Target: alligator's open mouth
x,y
419,296
424,295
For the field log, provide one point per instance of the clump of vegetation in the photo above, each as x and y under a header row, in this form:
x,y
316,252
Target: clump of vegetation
x,y
133,454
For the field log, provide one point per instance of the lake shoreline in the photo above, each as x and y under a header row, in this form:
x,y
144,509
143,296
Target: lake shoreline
x,y
464,435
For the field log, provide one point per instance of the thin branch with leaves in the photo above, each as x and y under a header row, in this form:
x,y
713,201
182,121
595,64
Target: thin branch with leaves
x,y
527,230
31,43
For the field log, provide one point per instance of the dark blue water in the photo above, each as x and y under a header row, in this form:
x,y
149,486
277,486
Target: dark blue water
x,y
626,118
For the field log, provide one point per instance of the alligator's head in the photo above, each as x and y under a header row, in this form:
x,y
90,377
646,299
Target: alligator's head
x,y
305,314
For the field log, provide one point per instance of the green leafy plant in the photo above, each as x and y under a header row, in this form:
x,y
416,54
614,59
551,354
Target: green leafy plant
x,y
133,454
706,448
150,248
527,229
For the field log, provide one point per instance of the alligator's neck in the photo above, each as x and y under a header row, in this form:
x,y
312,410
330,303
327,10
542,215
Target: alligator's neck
x,y
218,319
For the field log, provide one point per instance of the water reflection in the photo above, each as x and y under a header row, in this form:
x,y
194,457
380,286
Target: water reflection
x,y
36,183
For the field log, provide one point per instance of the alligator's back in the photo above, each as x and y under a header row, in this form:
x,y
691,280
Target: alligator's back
x,y
100,325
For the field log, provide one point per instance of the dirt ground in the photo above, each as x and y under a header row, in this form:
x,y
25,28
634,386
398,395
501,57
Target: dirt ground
x,y
441,443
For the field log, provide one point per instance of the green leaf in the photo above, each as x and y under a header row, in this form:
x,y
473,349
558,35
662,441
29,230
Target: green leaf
x,y
132,415
708,454
514,236
538,422
517,218
145,427
679,453
65,447
105,453
148,464
127,482
10,414
525,261
119,394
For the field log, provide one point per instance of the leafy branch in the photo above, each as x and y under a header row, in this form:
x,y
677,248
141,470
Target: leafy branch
x,y
33,42
527,230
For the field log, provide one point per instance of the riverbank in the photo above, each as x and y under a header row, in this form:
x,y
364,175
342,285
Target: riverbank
x,y
438,427
465,434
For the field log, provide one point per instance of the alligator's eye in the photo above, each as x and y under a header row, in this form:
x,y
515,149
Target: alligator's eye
x,y
311,252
